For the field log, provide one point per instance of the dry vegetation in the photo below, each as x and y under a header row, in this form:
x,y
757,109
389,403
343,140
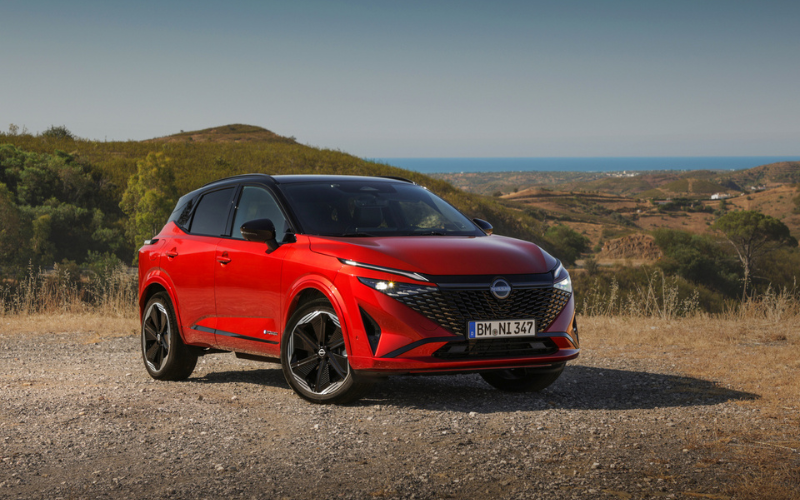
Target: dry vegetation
x,y
55,302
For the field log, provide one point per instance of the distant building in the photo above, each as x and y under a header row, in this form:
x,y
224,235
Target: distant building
x,y
624,173
720,196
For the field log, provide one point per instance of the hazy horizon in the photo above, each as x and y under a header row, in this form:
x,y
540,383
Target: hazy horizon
x,y
418,79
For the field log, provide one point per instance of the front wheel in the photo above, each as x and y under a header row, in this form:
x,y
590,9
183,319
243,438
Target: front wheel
x,y
314,358
522,379
165,355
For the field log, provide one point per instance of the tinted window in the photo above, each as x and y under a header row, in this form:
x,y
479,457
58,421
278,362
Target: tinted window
x,y
212,213
257,203
183,210
367,208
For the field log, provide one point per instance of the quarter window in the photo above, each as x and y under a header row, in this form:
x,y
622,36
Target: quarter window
x,y
211,214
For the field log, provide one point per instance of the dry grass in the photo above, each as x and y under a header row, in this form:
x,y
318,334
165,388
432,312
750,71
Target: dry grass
x,y
98,306
92,326
111,293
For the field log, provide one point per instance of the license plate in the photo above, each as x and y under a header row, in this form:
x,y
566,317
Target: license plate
x,y
501,328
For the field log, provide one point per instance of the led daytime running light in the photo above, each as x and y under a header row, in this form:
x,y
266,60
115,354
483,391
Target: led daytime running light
x,y
407,274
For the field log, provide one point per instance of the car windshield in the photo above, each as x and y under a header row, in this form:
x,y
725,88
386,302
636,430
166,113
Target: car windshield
x,y
356,208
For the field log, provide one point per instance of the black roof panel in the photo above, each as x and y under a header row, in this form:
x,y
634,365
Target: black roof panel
x,y
292,179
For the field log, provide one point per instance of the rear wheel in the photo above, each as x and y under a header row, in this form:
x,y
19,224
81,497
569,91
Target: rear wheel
x,y
165,355
522,379
314,357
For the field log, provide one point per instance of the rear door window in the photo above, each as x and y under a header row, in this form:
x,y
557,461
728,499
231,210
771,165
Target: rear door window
x,y
211,215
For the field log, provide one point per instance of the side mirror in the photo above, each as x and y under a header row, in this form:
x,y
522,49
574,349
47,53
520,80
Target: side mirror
x,y
485,226
260,230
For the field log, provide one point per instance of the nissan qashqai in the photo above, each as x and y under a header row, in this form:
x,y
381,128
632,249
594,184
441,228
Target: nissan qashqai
x,y
344,280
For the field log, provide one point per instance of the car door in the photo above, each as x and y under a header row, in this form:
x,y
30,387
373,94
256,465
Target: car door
x,y
188,259
248,279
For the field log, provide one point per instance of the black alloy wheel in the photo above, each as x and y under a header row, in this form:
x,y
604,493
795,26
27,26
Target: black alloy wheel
x,y
314,357
157,332
165,355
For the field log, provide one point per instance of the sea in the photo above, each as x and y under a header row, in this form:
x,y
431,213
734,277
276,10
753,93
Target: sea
x,y
581,164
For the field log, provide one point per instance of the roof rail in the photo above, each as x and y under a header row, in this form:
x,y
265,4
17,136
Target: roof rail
x,y
233,177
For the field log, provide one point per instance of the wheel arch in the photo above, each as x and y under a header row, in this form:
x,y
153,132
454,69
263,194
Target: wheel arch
x,y
313,289
147,293
303,297
157,284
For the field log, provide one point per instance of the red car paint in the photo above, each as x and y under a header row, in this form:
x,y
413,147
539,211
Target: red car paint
x,y
231,294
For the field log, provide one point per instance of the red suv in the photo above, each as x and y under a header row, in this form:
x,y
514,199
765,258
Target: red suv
x,y
343,280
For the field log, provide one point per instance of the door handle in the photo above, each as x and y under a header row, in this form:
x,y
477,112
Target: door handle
x,y
172,253
223,259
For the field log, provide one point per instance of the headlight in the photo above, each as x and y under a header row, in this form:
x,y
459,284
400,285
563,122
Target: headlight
x,y
397,289
561,279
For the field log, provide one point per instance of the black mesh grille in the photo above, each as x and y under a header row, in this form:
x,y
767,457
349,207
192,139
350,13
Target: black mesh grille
x,y
497,348
452,309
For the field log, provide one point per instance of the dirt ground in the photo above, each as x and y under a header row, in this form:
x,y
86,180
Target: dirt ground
x,y
80,418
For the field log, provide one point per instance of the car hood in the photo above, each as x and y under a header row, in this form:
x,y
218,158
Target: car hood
x,y
440,255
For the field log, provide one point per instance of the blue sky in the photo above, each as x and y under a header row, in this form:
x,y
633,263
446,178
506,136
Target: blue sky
x,y
416,79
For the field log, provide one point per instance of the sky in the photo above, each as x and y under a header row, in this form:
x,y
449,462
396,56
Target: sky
x,y
382,79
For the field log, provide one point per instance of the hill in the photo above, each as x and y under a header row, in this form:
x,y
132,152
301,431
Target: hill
x,y
202,156
647,184
785,172
228,133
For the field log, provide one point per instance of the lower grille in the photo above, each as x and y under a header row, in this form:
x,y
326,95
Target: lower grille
x,y
496,348
452,309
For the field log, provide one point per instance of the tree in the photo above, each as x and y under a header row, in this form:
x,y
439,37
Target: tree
x,y
753,234
150,197
60,132
697,258
567,243
10,227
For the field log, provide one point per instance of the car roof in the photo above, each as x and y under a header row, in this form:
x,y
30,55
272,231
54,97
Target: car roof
x,y
292,179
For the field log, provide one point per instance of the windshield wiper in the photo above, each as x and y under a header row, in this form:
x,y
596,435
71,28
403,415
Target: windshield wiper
x,y
430,233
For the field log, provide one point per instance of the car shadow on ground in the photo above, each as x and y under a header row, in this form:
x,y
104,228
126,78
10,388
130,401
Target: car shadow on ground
x,y
580,387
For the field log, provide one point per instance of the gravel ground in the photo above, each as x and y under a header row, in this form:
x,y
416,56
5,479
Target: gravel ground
x,y
81,419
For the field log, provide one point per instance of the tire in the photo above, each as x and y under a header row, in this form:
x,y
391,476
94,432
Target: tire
x,y
522,379
314,357
165,355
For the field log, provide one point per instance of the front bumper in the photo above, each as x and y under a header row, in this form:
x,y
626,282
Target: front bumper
x,y
387,366
425,338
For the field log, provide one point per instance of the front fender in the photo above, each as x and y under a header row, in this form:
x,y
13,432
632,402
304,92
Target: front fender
x,y
328,289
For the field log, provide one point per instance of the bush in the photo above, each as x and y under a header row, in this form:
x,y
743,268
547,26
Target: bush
x,y
60,132
566,243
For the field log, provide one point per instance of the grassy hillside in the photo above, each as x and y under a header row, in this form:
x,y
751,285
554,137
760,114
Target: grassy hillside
x,y
693,186
202,156
785,172
227,133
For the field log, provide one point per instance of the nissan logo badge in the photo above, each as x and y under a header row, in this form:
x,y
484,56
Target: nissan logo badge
x,y
500,288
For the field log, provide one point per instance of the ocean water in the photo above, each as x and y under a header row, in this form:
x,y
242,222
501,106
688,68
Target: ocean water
x,y
600,164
